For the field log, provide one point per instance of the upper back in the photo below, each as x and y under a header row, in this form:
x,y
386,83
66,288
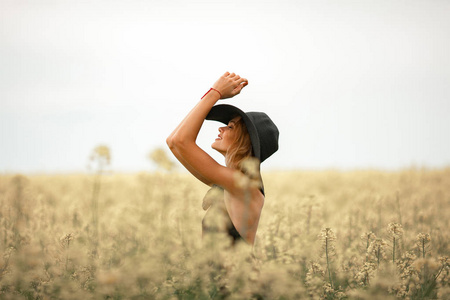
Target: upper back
x,y
245,211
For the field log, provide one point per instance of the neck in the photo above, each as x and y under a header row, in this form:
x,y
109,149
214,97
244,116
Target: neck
x,y
230,164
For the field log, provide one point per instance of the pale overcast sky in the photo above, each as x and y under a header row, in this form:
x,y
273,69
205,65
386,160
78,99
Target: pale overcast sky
x,y
350,84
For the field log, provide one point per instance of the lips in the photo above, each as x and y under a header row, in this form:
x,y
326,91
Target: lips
x,y
218,138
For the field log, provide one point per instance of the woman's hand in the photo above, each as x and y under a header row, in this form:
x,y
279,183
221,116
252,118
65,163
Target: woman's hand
x,y
229,85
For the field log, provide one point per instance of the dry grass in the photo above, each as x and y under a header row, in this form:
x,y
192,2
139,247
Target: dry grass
x,y
323,235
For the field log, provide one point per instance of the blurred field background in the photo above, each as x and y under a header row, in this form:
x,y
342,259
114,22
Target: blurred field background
x,y
351,85
323,235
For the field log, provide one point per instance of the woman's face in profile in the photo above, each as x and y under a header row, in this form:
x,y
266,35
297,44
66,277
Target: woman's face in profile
x,y
226,137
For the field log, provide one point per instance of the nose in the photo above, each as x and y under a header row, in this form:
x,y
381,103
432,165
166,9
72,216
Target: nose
x,y
221,129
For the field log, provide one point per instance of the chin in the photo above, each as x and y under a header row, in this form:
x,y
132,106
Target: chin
x,y
215,147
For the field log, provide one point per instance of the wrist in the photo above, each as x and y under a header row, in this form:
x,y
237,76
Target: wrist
x,y
213,92
217,91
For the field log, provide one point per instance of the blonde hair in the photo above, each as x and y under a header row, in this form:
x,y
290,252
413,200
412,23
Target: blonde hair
x,y
241,148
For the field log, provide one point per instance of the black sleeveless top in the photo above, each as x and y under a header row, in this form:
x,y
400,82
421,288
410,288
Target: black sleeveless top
x,y
217,218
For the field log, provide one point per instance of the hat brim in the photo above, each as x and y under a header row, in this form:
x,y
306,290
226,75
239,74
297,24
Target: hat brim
x,y
225,112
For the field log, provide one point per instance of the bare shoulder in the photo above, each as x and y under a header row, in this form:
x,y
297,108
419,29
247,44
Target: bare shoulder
x,y
252,199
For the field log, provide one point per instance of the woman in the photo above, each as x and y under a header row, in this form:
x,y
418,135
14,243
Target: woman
x,y
246,135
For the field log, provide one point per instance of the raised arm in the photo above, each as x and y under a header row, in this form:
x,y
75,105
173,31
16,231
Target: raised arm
x,y
182,140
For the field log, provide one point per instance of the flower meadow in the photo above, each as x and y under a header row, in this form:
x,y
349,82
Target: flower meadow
x,y
363,234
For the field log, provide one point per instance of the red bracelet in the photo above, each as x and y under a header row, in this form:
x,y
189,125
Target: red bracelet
x,y
210,91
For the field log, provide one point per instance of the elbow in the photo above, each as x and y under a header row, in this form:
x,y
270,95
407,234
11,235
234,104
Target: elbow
x,y
175,142
169,142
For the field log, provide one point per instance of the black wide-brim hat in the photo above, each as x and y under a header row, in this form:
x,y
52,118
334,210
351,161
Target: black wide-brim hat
x,y
263,132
